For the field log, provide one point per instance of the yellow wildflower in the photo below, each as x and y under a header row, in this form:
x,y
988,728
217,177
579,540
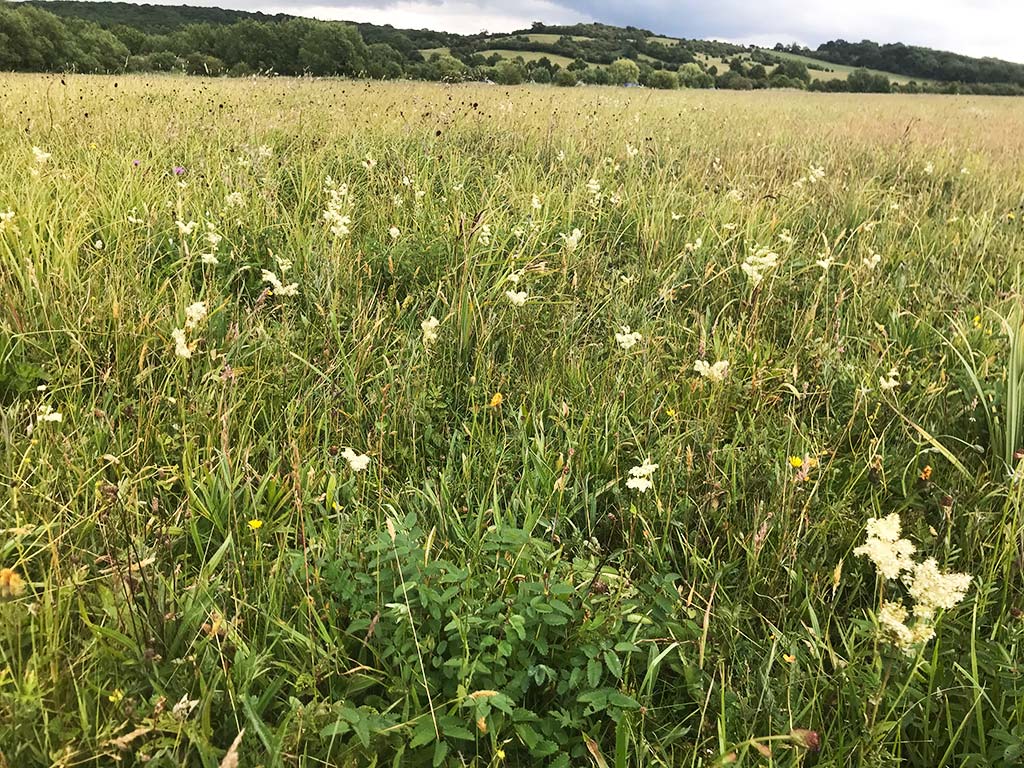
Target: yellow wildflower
x,y
255,524
11,584
497,400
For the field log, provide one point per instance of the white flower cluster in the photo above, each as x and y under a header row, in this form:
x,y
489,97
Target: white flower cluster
x,y
337,203
758,264
712,371
626,338
930,589
195,315
640,477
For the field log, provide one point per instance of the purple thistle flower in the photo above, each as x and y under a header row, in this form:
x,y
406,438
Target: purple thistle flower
x,y
178,170
136,163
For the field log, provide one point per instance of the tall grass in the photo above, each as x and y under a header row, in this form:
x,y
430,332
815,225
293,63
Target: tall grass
x,y
199,556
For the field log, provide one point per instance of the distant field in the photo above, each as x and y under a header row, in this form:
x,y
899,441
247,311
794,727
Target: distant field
x,y
663,40
428,52
554,58
543,38
839,72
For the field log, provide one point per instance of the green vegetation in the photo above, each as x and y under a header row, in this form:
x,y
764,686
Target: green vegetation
x,y
70,35
420,425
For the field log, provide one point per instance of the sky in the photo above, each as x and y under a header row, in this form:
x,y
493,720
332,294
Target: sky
x,y
972,27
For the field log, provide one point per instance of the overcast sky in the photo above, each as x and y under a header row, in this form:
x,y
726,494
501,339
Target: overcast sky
x,y
974,27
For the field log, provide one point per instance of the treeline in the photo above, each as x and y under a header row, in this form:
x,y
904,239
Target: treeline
x,y
916,61
93,37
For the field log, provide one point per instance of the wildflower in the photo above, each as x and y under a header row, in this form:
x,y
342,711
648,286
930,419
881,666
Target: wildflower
x,y
929,168
518,298
277,286
195,313
394,232
234,200
572,240
484,236
40,156
675,216
789,658
179,170
255,524
825,262
758,263
796,462
6,217
46,413
357,462
340,223
186,229
884,547
594,187
786,237
735,195
714,372
429,328
887,384
536,203
496,400
640,477
871,261
892,618
368,162
98,245
933,590
631,151
181,344
694,246
11,584
626,338
210,259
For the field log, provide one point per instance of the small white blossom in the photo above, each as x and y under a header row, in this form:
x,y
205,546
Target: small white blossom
x,y
357,462
713,372
626,338
429,328
181,344
518,298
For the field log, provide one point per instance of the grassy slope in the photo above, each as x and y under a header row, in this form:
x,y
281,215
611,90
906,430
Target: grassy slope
x,y
201,558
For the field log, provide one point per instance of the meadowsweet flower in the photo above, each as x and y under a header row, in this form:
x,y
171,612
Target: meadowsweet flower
x,y
757,264
890,382
626,338
536,203
6,217
195,313
640,476
694,246
484,235
186,229
279,288
429,328
11,584
395,233
871,261
571,241
337,200
675,216
933,590
234,200
786,237
98,245
369,163
181,348
929,168
713,372
594,187
46,413
40,156
891,554
631,151
735,195
357,462
518,298
825,262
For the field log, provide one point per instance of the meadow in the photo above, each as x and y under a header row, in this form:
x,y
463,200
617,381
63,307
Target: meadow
x,y
365,424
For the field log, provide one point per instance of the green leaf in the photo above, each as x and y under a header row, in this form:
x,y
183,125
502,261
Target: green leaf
x,y
611,661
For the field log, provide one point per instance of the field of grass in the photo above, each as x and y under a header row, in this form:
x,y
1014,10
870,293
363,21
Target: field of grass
x,y
663,40
356,424
839,71
554,58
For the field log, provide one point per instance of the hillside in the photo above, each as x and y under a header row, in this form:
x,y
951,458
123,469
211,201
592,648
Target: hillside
x,y
100,37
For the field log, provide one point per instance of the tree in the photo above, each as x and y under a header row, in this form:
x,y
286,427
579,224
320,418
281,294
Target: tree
x,y
510,72
624,71
565,78
663,79
862,81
